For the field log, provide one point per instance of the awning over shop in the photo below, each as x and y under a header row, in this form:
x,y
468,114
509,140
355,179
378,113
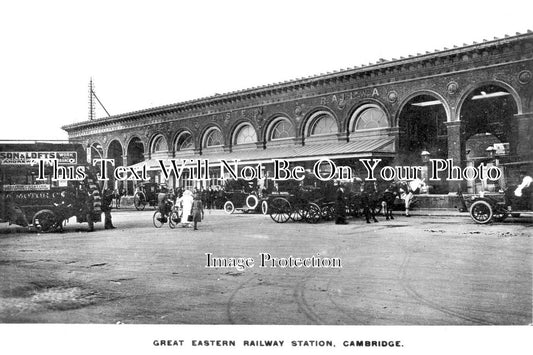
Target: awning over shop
x,y
382,147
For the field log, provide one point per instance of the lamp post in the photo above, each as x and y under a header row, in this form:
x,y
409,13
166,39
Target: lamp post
x,y
425,156
493,160
491,152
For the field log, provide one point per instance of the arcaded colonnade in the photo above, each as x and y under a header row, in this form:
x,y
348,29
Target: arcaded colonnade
x,y
451,103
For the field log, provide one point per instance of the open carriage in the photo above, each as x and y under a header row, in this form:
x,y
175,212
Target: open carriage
x,y
310,201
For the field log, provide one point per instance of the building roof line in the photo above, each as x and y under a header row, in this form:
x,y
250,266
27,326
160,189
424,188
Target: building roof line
x,y
380,65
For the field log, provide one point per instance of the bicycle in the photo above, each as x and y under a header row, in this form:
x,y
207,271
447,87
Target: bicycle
x,y
172,217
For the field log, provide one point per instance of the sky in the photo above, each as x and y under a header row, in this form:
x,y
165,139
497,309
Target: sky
x,y
143,54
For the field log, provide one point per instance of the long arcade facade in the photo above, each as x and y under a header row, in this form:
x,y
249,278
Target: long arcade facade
x,y
461,103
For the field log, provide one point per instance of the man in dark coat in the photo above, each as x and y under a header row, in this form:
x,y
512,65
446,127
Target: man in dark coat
x,y
340,206
106,208
197,210
164,204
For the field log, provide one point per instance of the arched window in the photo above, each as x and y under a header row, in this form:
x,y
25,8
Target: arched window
x,y
280,130
245,134
213,138
184,141
371,118
324,124
159,145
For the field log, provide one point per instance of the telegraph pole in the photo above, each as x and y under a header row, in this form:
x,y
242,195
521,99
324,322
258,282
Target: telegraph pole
x,y
92,104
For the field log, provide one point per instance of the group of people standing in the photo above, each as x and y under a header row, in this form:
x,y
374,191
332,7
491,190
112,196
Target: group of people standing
x,y
188,204
372,196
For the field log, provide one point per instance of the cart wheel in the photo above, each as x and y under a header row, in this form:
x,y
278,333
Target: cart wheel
x,y
264,207
298,213
158,219
313,213
328,212
138,202
280,210
173,220
44,221
229,208
252,201
481,212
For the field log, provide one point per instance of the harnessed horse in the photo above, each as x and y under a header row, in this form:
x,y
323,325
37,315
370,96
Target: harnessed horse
x,y
407,190
369,200
387,199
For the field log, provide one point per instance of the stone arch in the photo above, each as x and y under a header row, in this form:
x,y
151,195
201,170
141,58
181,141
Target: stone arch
x,y
135,149
421,122
267,135
153,140
237,126
272,120
114,151
416,93
486,114
472,87
206,131
112,146
178,135
312,115
128,140
96,149
360,107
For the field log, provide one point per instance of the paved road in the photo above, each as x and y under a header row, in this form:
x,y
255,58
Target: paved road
x,y
417,271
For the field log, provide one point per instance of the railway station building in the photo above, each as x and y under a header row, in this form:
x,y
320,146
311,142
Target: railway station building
x,y
471,103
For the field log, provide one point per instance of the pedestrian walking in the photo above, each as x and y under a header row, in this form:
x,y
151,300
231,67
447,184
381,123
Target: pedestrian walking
x,y
340,206
197,211
186,203
106,208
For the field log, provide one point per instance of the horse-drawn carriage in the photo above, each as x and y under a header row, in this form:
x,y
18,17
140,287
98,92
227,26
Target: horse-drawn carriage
x,y
146,194
309,201
321,200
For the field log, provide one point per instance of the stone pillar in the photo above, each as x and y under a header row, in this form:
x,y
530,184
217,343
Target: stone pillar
x,y
522,132
456,151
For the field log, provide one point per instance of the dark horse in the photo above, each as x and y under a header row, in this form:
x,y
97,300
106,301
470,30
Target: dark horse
x,y
117,194
387,198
